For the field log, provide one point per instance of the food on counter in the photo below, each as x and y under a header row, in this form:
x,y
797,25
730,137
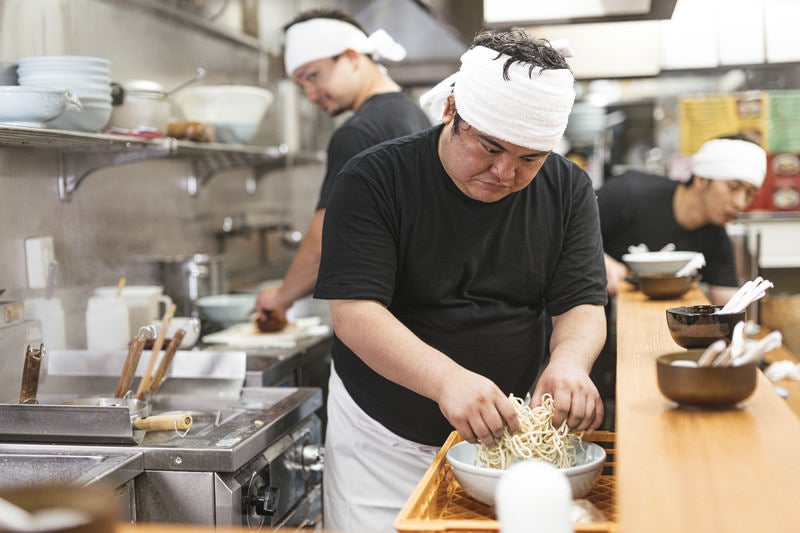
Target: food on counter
x,y
271,322
192,131
536,438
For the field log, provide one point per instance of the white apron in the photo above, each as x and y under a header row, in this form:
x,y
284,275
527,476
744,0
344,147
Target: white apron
x,y
370,472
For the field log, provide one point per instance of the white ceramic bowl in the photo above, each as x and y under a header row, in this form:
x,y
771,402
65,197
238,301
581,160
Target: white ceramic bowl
x,y
235,111
227,309
479,482
189,324
46,61
92,118
33,106
657,262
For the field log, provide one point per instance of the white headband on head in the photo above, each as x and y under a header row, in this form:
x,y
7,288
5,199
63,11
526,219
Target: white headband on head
x,y
526,110
731,159
321,38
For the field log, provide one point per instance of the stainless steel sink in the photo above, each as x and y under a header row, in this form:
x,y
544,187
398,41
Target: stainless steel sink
x,y
32,466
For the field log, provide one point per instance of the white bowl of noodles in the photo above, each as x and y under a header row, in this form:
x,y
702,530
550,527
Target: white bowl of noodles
x,y
479,481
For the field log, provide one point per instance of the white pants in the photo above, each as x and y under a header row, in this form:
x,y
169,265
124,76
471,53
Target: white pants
x,y
370,472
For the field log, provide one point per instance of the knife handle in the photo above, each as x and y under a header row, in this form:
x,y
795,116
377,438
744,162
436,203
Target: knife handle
x,y
164,422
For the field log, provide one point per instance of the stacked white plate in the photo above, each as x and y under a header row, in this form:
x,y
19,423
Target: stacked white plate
x,y
89,78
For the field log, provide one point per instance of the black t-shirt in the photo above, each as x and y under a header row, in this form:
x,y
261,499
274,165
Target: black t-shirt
x,y
475,280
382,117
636,208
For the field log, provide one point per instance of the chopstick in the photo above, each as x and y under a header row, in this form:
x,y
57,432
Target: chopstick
x,y
145,383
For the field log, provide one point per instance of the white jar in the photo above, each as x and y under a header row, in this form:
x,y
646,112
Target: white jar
x,y
50,313
107,326
145,303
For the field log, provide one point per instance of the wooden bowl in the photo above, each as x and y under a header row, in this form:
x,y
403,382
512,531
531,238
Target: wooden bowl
x,y
697,326
96,503
664,286
717,387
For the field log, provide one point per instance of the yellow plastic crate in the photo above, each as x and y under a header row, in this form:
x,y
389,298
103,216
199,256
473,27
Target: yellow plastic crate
x,y
439,504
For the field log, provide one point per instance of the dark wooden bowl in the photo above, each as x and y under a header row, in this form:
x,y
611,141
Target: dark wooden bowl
x,y
664,286
710,387
697,326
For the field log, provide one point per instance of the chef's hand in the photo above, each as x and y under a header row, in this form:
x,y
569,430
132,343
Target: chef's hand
x,y
575,396
616,272
268,303
477,408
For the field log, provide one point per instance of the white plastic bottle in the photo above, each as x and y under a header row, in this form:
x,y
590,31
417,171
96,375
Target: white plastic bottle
x,y
107,326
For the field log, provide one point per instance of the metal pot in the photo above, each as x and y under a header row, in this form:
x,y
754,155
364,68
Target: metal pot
x,y
140,413
187,278
139,105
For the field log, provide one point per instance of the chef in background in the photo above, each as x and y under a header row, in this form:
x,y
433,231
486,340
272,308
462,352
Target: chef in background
x,y
335,61
639,208
446,256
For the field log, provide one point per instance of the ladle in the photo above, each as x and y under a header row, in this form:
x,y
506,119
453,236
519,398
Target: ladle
x,y
201,73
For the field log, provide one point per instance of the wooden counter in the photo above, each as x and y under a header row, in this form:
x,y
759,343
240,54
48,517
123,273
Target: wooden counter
x,y
681,470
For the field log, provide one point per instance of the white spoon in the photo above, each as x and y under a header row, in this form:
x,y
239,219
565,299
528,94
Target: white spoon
x,y
694,264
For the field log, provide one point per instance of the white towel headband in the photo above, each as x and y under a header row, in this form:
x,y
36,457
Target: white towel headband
x,y
730,159
321,38
526,110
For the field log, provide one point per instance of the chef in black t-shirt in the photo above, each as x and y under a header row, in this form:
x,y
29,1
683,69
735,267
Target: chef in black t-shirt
x,y
334,60
447,255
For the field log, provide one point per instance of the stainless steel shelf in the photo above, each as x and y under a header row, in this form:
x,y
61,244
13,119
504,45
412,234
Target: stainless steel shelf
x,y
80,154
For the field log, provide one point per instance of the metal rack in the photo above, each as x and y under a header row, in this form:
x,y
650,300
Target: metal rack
x,y
80,154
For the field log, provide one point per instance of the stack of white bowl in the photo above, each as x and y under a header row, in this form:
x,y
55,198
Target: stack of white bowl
x,y
89,78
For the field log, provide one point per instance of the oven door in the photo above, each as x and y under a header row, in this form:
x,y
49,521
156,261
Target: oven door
x,y
278,487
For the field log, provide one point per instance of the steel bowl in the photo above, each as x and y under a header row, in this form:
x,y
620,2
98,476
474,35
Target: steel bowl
x,y
716,387
664,286
479,482
697,326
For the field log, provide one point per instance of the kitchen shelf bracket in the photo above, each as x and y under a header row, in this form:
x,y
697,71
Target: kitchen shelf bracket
x,y
73,167
205,168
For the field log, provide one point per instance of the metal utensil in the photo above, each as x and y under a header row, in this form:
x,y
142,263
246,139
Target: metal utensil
x,y
200,74
30,374
132,360
144,385
51,276
169,354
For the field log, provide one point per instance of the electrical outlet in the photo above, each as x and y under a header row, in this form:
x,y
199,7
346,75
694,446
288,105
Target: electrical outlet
x,y
39,253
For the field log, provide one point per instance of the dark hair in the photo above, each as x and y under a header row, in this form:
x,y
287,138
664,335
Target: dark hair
x,y
520,48
325,14
523,48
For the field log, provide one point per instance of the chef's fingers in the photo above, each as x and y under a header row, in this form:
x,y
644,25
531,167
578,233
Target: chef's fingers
x,y
586,413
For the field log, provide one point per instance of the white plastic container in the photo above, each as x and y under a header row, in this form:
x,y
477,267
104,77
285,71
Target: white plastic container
x,y
107,324
143,301
50,313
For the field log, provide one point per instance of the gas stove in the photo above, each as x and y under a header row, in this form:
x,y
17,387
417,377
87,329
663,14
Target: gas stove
x,y
252,456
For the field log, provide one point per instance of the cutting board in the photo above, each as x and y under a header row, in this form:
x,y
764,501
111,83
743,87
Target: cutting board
x,y
246,335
